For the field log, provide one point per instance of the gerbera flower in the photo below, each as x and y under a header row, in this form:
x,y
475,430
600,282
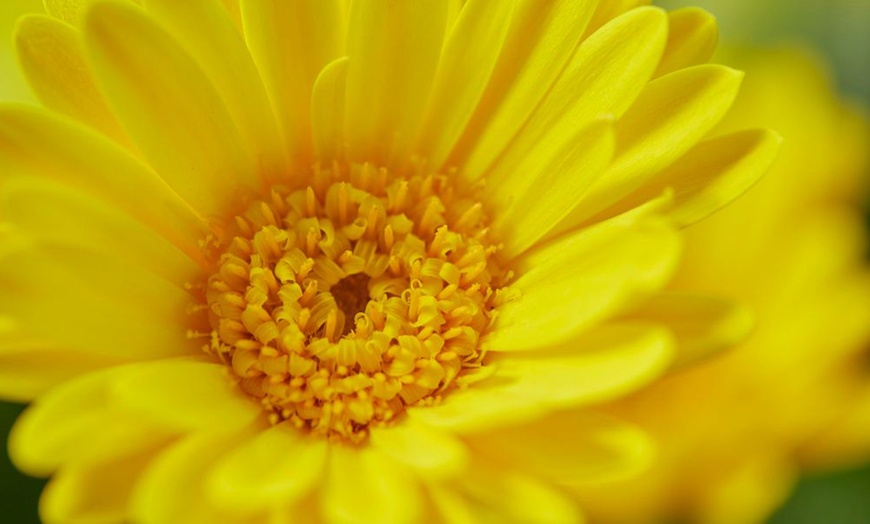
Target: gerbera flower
x,y
735,432
352,264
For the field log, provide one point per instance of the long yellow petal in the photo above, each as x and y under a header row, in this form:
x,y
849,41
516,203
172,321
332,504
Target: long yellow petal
x,y
388,85
169,107
97,305
363,485
667,119
58,429
702,325
541,39
37,143
600,365
546,184
96,491
291,43
519,497
603,78
569,285
692,39
444,455
277,466
29,369
187,395
60,215
51,54
471,52
327,111
208,32
171,488
599,449
712,174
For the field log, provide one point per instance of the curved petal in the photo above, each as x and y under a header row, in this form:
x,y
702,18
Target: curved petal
x,y
570,447
291,43
207,31
160,94
470,53
388,85
94,491
598,366
571,284
74,299
38,144
363,485
667,119
171,488
187,395
58,428
327,111
603,78
546,184
59,215
710,175
51,54
692,39
541,39
278,466
702,325
435,454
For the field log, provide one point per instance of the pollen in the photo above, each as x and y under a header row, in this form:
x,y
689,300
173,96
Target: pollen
x,y
339,304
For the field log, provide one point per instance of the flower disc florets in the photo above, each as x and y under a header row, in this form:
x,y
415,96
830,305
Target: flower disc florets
x,y
339,304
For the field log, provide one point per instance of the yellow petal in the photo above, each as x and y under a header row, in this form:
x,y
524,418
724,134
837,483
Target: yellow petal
x,y
95,304
187,395
94,491
36,143
77,423
610,9
70,11
172,488
291,43
702,325
600,365
388,85
451,506
546,184
470,53
278,466
59,215
52,58
363,485
207,31
29,369
712,174
518,498
327,111
692,39
433,453
603,78
169,107
569,285
541,39
667,119
569,447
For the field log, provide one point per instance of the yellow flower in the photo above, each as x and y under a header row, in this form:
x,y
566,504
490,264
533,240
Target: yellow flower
x,y
362,264
736,431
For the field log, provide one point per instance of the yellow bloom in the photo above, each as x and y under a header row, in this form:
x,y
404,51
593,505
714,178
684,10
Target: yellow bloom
x,y
364,264
735,431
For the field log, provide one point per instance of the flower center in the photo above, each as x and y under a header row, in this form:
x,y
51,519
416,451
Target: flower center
x,y
340,304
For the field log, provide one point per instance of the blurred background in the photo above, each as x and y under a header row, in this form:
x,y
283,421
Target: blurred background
x,y
839,30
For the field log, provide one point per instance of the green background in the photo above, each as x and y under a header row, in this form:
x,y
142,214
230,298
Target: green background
x,y
839,28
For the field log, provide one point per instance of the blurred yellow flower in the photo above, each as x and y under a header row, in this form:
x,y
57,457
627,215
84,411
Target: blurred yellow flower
x,y
269,260
735,431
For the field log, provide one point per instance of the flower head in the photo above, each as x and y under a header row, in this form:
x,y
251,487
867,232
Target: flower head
x,y
792,250
360,263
